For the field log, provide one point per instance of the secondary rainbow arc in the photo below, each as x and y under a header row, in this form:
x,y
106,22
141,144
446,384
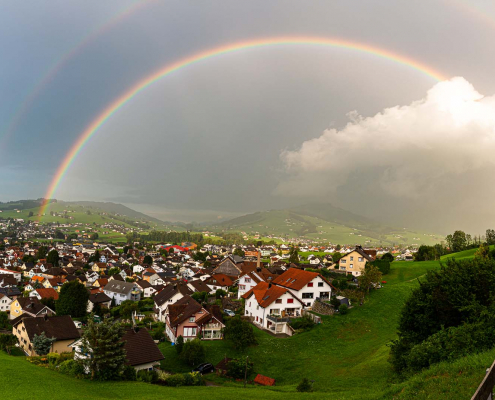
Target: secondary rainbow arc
x,y
196,58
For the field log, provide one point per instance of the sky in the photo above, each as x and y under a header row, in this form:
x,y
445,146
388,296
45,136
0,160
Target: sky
x,y
261,128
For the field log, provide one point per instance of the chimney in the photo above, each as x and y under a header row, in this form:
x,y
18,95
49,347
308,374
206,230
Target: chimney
x,y
258,261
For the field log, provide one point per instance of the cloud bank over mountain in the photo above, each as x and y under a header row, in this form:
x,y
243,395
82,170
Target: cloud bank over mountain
x,y
435,152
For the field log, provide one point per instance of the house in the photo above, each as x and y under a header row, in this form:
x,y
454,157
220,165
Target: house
x,y
169,295
121,291
98,298
187,318
62,328
142,353
219,281
5,303
230,266
29,306
249,280
306,285
270,307
44,293
146,287
17,275
7,280
355,261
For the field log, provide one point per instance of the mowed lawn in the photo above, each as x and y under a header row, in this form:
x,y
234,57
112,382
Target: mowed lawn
x,y
346,356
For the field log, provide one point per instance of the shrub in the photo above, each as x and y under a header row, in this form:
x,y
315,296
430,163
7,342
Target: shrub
x,y
187,379
179,344
305,323
240,333
71,368
343,309
129,373
193,352
305,386
147,376
175,380
237,368
162,375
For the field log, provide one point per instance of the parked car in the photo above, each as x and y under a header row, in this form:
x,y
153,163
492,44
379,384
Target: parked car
x,y
230,313
204,368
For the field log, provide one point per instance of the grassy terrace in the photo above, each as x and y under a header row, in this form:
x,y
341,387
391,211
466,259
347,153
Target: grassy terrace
x,y
346,356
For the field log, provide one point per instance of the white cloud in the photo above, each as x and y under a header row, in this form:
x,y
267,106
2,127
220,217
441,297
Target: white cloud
x,y
450,132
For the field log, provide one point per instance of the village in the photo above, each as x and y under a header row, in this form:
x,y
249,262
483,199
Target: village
x,y
174,293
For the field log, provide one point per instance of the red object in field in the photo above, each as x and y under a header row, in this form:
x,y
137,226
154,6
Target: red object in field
x,y
384,281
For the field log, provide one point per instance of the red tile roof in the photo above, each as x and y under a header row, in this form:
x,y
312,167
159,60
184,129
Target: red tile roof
x,y
295,279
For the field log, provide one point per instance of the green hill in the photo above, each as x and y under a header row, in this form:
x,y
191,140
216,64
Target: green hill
x,y
325,223
86,213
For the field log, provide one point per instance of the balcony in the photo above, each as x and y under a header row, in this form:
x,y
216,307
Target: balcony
x,y
278,318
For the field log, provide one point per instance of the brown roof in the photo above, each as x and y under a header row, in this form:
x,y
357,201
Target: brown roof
x,y
295,279
266,294
221,280
99,297
140,347
213,312
170,290
58,327
182,309
47,293
199,286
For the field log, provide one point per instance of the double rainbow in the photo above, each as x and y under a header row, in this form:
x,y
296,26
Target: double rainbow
x,y
215,52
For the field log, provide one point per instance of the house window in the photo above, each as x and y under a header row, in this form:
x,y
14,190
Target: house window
x,y
320,284
247,280
310,284
278,301
191,319
352,258
307,295
343,261
360,259
190,331
352,265
242,287
289,301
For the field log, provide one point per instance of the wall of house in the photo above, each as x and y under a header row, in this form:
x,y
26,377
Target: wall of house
x,y
15,309
259,313
318,287
353,263
5,303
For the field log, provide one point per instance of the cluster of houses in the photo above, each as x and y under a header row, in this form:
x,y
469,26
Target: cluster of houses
x,y
272,293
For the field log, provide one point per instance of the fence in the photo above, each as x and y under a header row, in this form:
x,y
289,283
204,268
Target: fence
x,y
485,390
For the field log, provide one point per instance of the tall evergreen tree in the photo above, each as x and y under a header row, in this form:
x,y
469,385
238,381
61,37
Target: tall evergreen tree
x,y
72,300
293,255
107,355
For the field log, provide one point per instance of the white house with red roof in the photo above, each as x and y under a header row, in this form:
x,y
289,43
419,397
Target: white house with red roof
x,y
306,285
270,306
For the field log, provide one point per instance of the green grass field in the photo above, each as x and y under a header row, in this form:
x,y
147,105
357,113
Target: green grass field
x,y
346,356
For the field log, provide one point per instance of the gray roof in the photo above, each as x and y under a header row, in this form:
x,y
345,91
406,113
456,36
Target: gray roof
x,y
116,286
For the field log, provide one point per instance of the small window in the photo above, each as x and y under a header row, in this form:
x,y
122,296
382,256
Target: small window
x,y
350,266
191,319
310,284
290,301
247,280
343,261
360,259
320,284
278,301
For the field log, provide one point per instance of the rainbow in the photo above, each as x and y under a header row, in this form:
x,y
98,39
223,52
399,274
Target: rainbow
x,y
62,61
205,55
